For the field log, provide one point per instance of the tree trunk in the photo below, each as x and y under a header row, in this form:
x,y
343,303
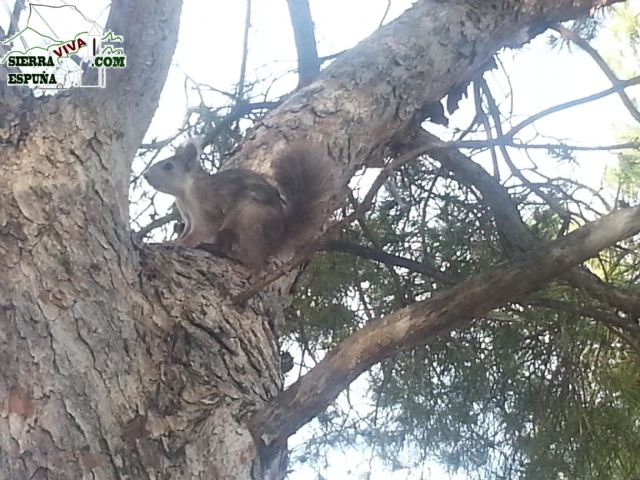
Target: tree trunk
x,y
128,361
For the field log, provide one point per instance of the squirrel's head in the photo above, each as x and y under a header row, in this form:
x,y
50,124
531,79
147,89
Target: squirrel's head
x,y
173,174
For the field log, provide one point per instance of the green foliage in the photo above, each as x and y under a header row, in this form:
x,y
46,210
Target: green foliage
x,y
517,400
624,28
625,33
527,393
543,388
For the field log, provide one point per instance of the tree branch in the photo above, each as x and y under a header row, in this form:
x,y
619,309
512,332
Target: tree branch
x,y
346,91
156,223
400,292
303,31
549,199
239,110
490,143
245,53
593,53
508,136
14,19
514,234
18,8
379,255
603,316
418,323
150,30
386,12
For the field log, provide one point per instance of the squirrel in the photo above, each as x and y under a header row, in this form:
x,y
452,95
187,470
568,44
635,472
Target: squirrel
x,y
236,212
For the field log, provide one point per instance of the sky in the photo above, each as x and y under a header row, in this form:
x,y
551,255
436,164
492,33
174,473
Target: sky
x,y
209,51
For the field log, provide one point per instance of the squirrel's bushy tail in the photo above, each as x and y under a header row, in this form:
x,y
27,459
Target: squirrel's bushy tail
x,y
306,180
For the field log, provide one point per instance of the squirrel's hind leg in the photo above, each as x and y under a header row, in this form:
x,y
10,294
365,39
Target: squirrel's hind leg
x,y
256,229
194,237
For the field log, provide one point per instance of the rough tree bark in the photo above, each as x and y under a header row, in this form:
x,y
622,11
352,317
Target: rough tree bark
x,y
128,361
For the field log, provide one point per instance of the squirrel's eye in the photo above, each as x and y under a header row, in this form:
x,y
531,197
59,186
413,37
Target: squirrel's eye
x,y
167,166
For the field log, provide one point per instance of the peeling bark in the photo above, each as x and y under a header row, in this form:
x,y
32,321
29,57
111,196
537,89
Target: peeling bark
x,y
370,94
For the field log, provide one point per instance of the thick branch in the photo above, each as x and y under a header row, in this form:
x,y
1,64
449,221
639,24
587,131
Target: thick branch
x,y
372,93
514,233
150,30
390,259
303,31
418,323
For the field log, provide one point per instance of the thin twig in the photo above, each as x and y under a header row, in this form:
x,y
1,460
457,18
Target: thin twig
x,y
157,223
593,53
508,137
370,235
588,311
239,111
379,255
475,144
331,56
484,119
494,111
386,12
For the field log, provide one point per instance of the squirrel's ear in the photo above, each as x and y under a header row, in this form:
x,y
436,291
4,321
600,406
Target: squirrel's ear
x,y
190,155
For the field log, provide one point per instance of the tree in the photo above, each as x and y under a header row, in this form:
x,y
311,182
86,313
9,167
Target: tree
x,y
130,360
